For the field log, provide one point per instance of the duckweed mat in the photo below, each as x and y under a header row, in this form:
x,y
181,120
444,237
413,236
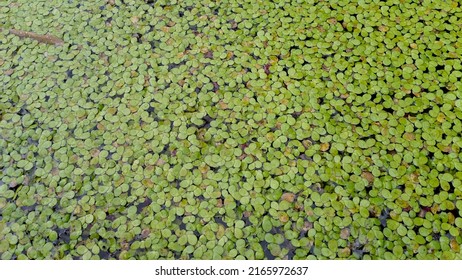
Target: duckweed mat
x,y
230,129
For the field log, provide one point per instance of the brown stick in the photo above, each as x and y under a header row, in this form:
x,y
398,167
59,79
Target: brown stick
x,y
47,39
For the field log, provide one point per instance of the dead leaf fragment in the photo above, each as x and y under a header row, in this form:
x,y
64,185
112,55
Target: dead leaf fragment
x,y
325,146
345,233
368,176
289,197
283,217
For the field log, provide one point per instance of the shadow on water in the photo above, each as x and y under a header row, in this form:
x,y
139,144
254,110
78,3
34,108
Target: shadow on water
x,y
267,252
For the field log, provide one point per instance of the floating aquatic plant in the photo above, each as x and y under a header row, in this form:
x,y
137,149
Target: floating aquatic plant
x,y
228,130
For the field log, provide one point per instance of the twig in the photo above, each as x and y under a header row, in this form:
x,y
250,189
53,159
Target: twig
x,y
47,39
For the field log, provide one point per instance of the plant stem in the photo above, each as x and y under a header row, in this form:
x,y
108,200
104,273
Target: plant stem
x,y
47,39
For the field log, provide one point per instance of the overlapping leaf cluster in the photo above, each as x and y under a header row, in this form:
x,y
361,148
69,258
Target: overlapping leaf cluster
x,y
231,130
